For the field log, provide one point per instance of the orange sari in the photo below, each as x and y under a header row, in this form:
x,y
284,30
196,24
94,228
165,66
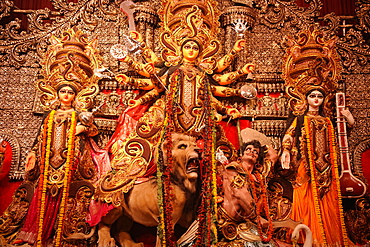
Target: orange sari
x,y
316,196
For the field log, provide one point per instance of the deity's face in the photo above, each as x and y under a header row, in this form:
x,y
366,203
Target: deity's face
x,y
66,95
315,99
190,51
250,156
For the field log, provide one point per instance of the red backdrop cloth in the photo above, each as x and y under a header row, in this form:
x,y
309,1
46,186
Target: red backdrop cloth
x,y
365,161
7,187
231,130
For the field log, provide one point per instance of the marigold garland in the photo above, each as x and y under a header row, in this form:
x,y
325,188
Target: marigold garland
x,y
207,233
44,181
42,168
67,176
161,225
214,189
165,228
45,164
336,179
334,168
313,178
263,203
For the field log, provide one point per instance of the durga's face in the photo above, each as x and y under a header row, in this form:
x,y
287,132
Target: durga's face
x,y
190,51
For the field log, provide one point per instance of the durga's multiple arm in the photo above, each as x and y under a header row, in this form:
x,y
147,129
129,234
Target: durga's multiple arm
x,y
226,61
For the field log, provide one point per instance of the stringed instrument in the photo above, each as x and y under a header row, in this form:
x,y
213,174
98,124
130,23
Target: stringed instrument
x,y
350,186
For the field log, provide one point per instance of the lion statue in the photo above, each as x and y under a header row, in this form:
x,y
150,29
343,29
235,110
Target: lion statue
x,y
141,203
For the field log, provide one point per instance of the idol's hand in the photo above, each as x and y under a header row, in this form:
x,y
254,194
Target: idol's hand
x,y
218,117
80,128
150,68
239,45
349,117
285,159
136,36
134,102
233,113
122,78
30,161
248,68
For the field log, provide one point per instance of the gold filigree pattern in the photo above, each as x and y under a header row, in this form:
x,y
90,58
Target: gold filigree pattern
x,y
72,60
12,218
354,50
131,157
184,20
311,62
77,210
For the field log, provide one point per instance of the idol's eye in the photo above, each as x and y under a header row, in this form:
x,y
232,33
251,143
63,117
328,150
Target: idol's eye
x,y
182,146
187,47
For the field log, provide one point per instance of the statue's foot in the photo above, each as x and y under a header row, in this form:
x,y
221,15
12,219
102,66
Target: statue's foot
x,y
107,242
105,239
126,241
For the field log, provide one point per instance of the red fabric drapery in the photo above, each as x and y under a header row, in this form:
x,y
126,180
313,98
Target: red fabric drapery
x,y
339,7
365,161
7,187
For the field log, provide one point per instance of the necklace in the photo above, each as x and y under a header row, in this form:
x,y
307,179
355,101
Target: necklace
x,y
65,107
188,63
313,113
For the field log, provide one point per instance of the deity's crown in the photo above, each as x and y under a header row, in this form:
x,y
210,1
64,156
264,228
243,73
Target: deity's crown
x,y
310,63
189,20
70,60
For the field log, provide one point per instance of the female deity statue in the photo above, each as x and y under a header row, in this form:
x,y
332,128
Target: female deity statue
x,y
311,72
309,143
60,164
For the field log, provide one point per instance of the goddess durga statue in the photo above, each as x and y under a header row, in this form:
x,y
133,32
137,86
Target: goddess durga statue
x,y
182,86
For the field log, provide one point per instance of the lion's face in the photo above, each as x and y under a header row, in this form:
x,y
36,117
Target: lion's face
x,y
186,159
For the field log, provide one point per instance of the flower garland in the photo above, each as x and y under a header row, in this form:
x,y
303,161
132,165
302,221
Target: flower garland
x,y
67,176
45,164
43,181
165,227
161,225
207,233
214,189
313,178
333,157
336,179
259,205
